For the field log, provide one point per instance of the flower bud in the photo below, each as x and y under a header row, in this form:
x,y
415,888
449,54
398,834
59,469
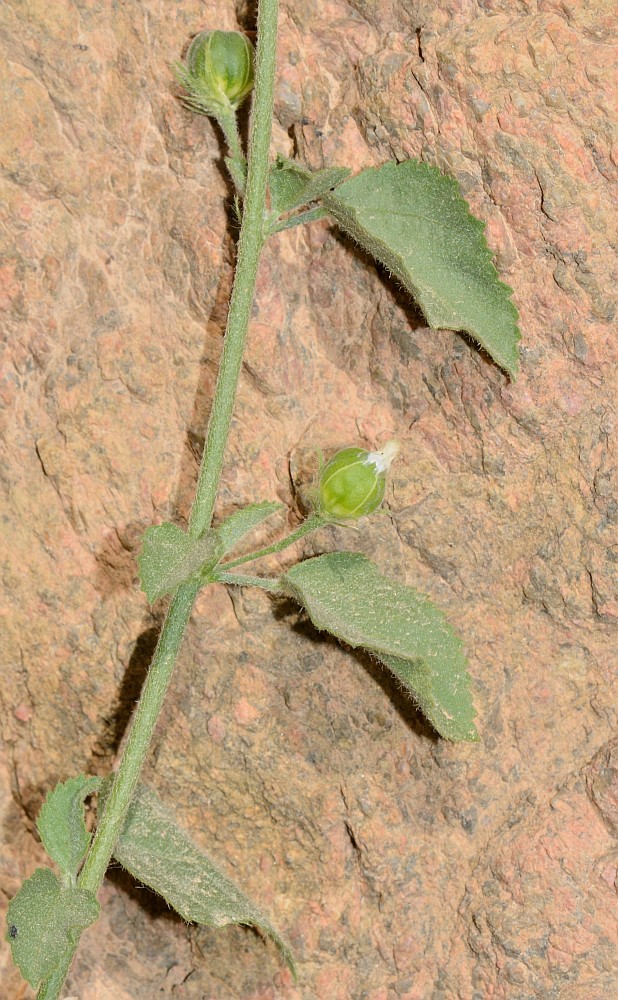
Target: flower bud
x,y
352,484
219,71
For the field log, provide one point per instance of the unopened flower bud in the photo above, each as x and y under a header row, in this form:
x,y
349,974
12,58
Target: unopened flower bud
x,y
219,71
352,484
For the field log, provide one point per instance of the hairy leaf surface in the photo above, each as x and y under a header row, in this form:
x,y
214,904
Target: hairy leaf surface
x,y
414,220
44,921
157,852
61,823
241,522
345,594
169,557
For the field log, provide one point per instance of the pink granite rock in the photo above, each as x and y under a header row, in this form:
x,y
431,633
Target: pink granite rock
x,y
398,866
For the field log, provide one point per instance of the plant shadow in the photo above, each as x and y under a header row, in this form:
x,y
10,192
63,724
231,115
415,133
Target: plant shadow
x,y
285,609
130,689
149,901
401,298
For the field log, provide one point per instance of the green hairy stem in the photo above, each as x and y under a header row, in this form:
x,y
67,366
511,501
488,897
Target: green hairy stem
x,y
311,524
250,244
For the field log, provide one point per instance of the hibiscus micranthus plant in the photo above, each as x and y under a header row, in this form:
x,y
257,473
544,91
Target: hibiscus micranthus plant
x,y
413,220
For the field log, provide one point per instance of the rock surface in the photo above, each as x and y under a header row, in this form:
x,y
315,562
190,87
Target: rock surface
x,y
398,866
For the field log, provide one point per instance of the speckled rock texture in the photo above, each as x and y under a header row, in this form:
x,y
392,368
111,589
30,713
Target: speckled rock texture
x,y
399,867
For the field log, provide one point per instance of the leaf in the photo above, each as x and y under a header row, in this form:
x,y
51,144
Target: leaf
x,y
44,921
345,594
414,220
239,524
170,557
292,185
154,849
61,823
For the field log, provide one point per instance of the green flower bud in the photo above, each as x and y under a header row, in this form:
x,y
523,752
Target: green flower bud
x,y
352,484
219,71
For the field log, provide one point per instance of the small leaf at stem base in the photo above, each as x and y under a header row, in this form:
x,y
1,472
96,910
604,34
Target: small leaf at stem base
x,y
170,557
44,920
241,522
61,822
293,185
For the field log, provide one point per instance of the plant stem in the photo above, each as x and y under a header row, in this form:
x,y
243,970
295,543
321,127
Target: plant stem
x,y
251,240
123,786
229,126
140,735
250,244
236,164
298,220
313,522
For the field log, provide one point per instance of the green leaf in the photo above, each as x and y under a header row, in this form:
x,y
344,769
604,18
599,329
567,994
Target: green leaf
x,y
170,557
292,185
61,823
239,524
154,849
414,220
44,921
346,595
